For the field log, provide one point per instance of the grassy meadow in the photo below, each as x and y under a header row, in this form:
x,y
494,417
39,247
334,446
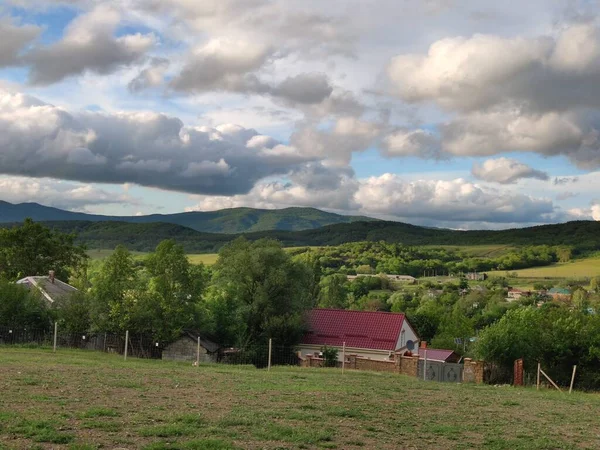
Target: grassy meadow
x,y
575,269
88,400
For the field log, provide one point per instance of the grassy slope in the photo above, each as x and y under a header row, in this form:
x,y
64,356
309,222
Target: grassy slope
x,y
578,268
89,399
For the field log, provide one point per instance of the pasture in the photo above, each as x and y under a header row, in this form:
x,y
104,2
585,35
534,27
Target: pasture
x,y
195,258
575,269
87,400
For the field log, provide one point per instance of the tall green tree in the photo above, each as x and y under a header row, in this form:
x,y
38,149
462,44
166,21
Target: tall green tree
x,y
266,289
175,290
113,291
334,292
33,249
20,307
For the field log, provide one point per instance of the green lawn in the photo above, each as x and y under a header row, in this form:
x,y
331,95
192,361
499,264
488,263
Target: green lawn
x,y
578,268
86,400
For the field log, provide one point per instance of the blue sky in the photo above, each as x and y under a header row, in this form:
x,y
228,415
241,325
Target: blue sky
x,y
464,114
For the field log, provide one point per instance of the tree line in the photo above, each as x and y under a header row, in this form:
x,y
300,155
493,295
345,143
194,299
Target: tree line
x,y
257,291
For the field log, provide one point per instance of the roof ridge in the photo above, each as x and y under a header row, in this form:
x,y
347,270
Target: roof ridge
x,y
359,311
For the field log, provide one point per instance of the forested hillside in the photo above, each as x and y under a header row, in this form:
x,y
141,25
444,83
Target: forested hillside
x,y
580,235
234,220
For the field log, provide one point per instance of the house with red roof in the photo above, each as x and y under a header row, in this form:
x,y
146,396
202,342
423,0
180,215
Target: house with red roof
x,y
368,334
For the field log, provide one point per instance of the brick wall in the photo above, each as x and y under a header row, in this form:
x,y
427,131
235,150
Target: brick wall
x,y
473,371
408,365
405,365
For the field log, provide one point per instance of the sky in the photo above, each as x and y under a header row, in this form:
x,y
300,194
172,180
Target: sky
x,y
466,114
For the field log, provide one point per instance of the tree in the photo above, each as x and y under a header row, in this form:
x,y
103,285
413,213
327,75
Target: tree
x,y
595,285
175,289
20,307
112,289
264,287
334,293
516,335
33,249
73,312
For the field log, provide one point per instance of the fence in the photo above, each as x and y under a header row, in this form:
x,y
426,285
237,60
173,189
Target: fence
x,y
192,349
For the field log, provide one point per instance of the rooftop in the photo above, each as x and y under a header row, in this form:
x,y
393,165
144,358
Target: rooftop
x,y
358,329
50,290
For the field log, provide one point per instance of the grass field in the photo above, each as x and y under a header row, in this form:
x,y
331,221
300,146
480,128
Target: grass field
x,y
85,400
195,258
576,269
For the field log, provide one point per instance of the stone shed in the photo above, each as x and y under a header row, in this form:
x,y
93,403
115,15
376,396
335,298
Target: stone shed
x,y
186,347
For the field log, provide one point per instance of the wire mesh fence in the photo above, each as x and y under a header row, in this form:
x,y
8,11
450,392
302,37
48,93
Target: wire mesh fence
x,y
190,349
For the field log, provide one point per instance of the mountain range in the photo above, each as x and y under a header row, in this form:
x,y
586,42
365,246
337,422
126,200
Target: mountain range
x,y
228,221
106,232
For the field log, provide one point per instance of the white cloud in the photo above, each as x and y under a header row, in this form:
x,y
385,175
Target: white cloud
x,y
14,40
144,148
151,76
505,171
418,142
89,44
456,200
59,194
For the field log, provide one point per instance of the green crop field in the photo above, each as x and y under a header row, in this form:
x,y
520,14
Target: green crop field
x,y
576,269
88,400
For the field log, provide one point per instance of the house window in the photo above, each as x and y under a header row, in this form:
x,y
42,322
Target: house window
x,y
403,338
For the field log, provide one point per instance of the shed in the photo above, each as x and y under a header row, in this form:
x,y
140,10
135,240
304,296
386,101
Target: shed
x,y
186,349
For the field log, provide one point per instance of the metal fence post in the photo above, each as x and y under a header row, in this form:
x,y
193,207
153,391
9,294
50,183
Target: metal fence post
x,y
343,356
270,348
55,334
126,344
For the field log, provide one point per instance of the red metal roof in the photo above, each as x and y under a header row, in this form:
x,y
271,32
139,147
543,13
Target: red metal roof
x,y
435,354
359,329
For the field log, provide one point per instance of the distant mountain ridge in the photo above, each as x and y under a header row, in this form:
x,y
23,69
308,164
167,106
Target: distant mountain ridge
x,y
580,235
227,221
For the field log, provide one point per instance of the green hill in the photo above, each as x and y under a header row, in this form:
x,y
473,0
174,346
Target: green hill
x,y
230,221
582,235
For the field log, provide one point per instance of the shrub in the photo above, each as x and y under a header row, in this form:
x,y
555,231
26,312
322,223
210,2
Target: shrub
x,y
330,356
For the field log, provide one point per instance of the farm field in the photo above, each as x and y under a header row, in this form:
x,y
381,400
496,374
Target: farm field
x,y
195,258
578,268
86,400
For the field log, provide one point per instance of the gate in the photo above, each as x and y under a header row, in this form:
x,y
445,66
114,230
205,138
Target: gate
x,y
441,371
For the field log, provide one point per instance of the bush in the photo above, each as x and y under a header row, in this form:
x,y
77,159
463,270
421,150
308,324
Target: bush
x,y
330,356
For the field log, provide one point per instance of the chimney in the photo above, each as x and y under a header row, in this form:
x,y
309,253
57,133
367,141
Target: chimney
x,y
51,276
423,344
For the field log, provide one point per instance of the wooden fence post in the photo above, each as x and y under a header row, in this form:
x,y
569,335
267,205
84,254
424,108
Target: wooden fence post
x,y
198,352
270,348
126,344
343,356
538,378
55,334
572,379
424,364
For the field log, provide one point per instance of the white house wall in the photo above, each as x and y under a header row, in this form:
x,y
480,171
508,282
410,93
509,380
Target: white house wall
x,y
378,355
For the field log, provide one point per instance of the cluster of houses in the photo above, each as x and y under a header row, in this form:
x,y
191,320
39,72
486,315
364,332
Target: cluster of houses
x,y
374,335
